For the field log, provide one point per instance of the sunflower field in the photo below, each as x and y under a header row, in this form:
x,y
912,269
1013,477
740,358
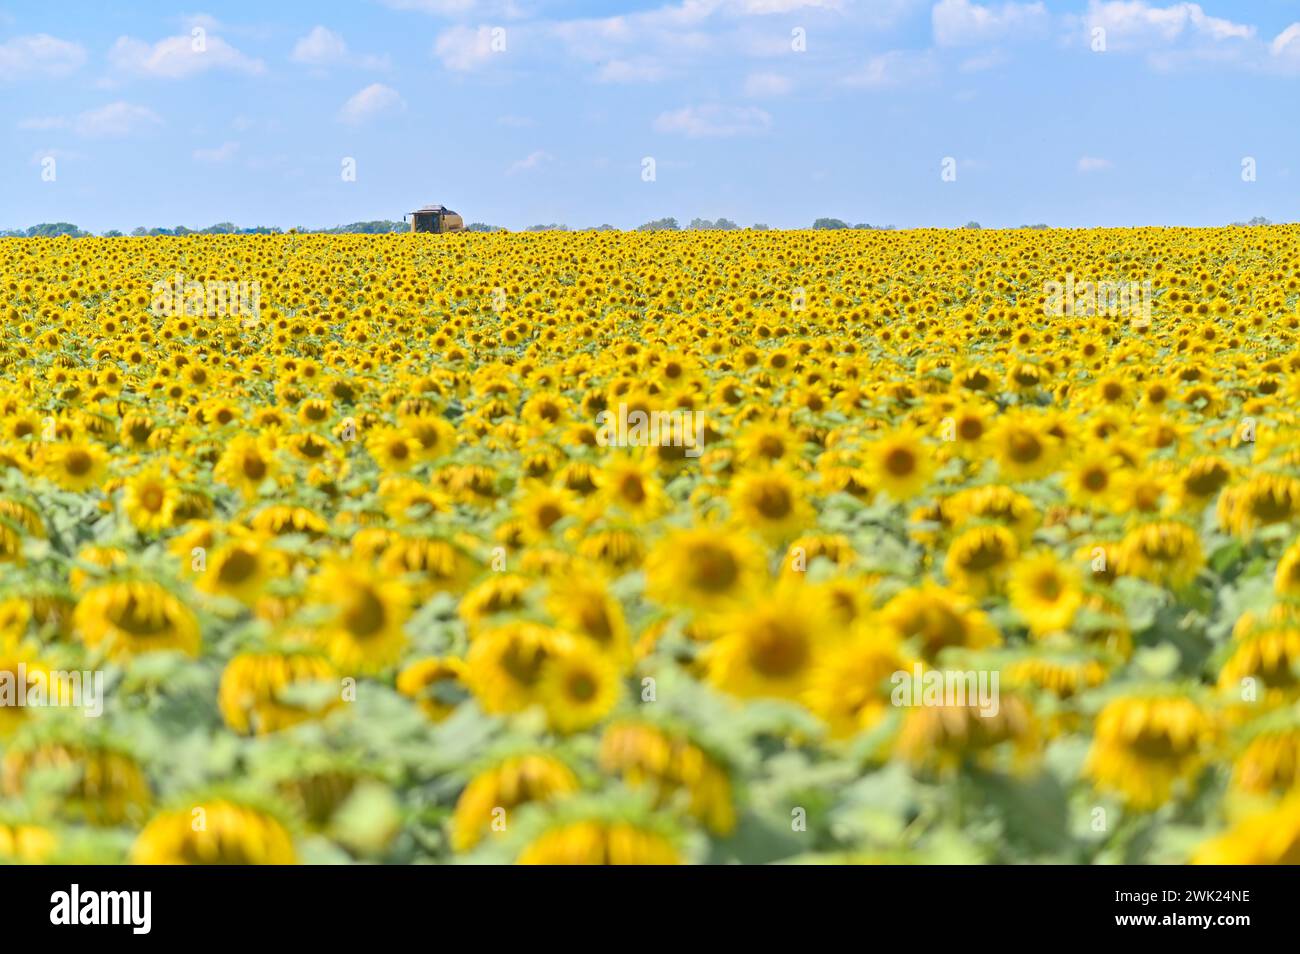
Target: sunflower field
x,y
367,577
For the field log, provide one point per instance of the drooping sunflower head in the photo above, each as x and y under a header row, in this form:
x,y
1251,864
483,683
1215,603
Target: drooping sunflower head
x,y
257,691
600,842
670,763
1166,552
504,786
935,618
214,832
1148,746
980,558
130,617
99,783
436,684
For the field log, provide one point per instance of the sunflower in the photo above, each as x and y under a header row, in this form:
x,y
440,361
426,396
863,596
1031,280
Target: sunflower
x,y
135,616
241,569
26,844
246,464
256,691
437,437
1024,447
150,501
94,563
1147,747
436,684
99,784
363,633
900,464
394,449
770,647
585,608
541,509
617,549
935,618
980,558
215,832
1266,652
771,503
579,686
669,763
505,664
1064,675
1269,759
74,466
630,487
849,687
992,503
1263,500
1268,837
1093,479
703,569
514,781
1045,592
430,564
1166,552
941,739
498,596
1200,482
766,443
600,843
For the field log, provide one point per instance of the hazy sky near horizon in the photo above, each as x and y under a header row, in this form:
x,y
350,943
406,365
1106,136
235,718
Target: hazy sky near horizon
x,y
515,112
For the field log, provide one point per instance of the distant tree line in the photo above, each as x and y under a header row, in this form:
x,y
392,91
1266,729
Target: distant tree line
x,y
386,226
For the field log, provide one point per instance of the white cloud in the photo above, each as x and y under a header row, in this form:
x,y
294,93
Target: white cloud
x,y
532,161
1135,24
709,121
761,85
376,99
320,47
323,47
464,48
630,71
1088,164
40,54
893,69
223,153
1287,43
114,120
177,57
962,23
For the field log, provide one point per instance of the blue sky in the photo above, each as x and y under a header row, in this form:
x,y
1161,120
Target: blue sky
x,y
517,112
